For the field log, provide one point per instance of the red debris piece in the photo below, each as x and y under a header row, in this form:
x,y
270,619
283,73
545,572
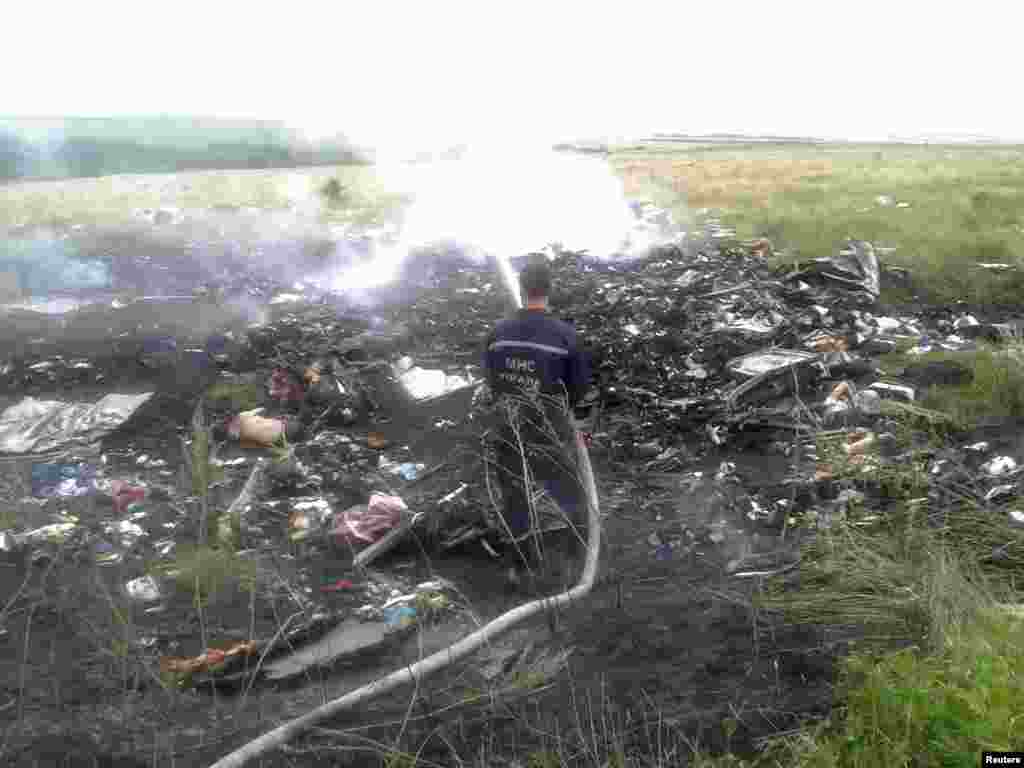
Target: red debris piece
x,y
366,523
124,494
340,585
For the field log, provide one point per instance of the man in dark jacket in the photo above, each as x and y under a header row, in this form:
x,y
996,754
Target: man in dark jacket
x,y
537,374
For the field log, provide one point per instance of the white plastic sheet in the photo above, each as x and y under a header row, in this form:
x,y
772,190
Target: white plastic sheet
x,y
768,361
34,426
423,383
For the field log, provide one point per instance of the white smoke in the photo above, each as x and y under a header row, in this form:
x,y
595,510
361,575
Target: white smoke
x,y
509,203
504,202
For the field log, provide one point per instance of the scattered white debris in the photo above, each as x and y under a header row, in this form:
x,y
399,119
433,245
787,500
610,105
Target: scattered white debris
x,y
144,589
287,298
965,321
888,324
896,391
55,532
999,466
1000,491
423,384
457,492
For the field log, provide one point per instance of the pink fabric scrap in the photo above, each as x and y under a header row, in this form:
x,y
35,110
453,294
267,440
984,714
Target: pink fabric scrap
x,y
125,494
365,524
339,586
285,387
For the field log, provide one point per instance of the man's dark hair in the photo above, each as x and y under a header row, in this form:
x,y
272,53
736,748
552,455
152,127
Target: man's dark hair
x,y
535,279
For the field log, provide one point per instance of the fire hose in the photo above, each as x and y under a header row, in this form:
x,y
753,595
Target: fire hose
x,y
454,653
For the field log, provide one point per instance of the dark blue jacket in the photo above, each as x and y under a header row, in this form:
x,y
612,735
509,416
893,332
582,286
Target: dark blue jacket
x,y
532,350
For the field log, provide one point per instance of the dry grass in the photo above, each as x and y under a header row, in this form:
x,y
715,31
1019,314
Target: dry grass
x,y
720,182
893,581
593,732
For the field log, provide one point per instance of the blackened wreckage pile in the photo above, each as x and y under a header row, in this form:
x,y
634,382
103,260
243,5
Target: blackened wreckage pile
x,y
699,349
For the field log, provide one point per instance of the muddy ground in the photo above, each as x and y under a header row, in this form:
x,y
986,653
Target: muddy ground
x,y
667,646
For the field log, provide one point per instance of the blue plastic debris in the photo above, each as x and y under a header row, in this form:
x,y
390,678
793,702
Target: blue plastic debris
x,y
399,615
63,480
46,265
218,347
409,470
158,350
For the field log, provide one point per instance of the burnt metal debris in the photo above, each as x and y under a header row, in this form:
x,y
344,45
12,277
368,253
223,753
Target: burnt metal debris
x,y
701,347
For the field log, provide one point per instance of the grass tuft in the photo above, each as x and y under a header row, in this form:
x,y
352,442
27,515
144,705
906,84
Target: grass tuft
x,y
334,192
543,758
857,579
235,396
9,518
986,537
400,760
209,575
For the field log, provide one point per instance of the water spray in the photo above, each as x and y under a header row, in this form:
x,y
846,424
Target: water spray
x,y
509,276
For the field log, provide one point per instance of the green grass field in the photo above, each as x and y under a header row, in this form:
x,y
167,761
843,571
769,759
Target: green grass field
x,y
110,201
948,208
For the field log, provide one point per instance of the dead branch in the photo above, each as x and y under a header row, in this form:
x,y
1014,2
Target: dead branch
x,y
388,542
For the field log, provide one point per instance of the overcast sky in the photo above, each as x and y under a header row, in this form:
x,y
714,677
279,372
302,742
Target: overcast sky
x,y
430,73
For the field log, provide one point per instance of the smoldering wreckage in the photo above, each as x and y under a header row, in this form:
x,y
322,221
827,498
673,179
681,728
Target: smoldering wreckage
x,y
320,431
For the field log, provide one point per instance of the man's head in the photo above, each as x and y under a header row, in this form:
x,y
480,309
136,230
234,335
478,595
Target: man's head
x,y
535,279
